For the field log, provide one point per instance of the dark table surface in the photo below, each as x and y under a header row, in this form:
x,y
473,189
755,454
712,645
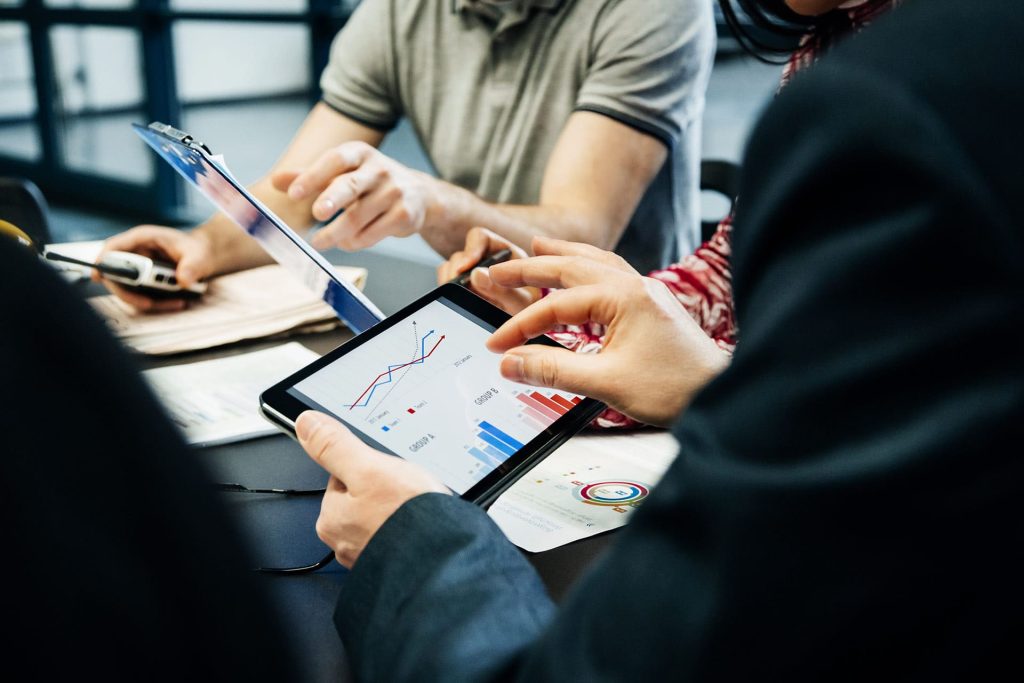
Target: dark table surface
x,y
281,529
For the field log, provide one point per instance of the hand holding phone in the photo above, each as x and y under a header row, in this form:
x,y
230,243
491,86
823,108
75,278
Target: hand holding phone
x,y
137,273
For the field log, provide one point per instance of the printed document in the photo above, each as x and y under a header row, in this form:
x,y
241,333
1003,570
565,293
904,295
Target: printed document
x,y
217,401
591,484
250,304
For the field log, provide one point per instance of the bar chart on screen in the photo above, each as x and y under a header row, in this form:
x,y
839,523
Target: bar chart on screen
x,y
495,445
541,410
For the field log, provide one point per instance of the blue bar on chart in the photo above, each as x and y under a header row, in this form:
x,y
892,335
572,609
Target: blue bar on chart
x,y
497,443
494,431
494,452
484,458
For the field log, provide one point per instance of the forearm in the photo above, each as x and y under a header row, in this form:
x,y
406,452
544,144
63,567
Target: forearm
x,y
232,248
455,211
439,593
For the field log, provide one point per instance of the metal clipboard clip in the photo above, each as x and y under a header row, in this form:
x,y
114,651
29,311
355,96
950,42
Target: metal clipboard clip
x,y
178,136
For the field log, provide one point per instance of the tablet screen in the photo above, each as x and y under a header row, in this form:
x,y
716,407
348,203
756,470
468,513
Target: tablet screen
x,y
428,390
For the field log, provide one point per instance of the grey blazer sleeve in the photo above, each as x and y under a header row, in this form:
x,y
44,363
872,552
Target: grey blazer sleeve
x,y
440,594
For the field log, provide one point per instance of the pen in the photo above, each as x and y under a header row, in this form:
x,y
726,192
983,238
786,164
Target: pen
x,y
492,260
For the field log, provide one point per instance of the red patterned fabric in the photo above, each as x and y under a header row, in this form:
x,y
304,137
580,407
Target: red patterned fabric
x,y
702,281
850,18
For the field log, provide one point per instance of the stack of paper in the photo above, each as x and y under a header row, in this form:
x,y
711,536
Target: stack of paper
x,y
216,401
247,305
591,484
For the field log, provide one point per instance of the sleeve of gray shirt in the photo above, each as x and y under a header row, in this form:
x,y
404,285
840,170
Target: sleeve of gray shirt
x,y
649,64
359,79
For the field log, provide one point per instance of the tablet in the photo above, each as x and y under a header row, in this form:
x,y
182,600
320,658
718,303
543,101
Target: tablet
x,y
193,160
421,385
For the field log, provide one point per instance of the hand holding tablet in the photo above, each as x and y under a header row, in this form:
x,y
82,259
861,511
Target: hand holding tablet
x,y
422,385
356,504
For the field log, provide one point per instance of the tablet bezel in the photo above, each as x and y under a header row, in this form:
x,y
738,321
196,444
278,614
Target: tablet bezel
x,y
282,408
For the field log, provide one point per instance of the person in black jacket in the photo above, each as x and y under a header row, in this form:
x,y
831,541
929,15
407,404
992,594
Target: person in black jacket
x,y
118,561
847,502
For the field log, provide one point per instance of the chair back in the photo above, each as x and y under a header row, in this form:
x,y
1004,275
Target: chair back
x,y
22,207
723,177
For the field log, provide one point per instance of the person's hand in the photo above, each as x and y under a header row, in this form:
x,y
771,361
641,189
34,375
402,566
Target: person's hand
x,y
190,251
481,243
366,486
380,197
655,357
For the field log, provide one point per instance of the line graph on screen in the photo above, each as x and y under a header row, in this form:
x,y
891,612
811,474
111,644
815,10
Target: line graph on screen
x,y
388,376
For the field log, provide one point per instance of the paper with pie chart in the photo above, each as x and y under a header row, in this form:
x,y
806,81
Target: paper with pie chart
x,y
428,391
591,484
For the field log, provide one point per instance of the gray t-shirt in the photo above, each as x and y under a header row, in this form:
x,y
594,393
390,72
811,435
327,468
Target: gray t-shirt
x,y
488,91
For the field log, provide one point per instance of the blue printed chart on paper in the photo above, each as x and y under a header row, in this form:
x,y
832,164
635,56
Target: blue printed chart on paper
x,y
428,390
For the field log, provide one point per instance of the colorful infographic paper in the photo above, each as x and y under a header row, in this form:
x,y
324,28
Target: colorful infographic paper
x,y
590,485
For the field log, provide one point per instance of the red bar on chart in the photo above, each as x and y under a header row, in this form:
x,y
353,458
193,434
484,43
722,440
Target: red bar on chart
x,y
576,399
549,403
538,416
530,417
562,401
538,406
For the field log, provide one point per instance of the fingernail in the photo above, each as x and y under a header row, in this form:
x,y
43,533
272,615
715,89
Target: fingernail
x,y
307,424
482,276
326,206
296,191
513,368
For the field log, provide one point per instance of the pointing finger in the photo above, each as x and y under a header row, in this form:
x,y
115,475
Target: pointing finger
x,y
596,303
331,164
556,368
549,246
346,189
282,180
557,272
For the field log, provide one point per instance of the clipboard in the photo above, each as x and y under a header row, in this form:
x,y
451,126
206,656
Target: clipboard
x,y
194,161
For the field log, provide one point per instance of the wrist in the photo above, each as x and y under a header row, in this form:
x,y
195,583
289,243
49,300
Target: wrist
x,y
438,203
212,247
710,365
662,408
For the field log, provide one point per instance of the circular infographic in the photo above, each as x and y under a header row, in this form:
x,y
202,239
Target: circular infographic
x,y
611,493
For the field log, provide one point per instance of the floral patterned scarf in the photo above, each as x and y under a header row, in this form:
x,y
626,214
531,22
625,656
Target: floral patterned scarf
x,y
849,19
